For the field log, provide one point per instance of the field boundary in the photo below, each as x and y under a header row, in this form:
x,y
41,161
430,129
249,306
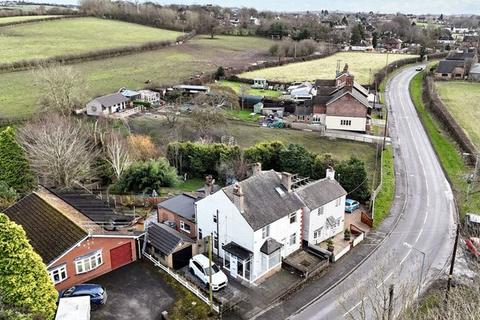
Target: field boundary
x,y
433,103
23,65
60,17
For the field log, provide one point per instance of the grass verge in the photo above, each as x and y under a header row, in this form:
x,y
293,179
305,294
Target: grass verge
x,y
187,305
450,157
384,199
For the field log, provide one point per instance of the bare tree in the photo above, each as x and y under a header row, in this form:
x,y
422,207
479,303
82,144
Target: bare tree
x,y
117,152
205,119
59,150
63,89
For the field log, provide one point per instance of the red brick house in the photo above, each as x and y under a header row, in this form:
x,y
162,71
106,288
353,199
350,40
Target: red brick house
x,y
179,213
69,234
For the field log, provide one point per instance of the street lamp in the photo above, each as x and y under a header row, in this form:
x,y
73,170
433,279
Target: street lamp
x,y
408,245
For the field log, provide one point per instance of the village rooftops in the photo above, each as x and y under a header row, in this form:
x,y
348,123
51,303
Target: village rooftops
x,y
111,99
49,232
461,56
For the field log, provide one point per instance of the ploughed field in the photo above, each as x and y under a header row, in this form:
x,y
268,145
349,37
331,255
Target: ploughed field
x,y
362,64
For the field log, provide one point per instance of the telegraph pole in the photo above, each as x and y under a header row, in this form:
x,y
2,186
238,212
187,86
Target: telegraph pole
x,y
452,264
210,292
390,302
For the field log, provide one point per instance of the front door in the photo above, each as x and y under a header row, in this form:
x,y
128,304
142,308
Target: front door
x,y
233,266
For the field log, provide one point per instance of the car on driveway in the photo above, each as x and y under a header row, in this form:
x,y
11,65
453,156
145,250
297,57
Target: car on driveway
x,y
199,266
351,205
97,293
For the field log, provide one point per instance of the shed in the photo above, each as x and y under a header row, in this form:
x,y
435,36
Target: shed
x,y
259,83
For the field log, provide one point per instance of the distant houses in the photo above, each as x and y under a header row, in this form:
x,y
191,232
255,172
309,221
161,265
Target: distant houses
x,y
456,65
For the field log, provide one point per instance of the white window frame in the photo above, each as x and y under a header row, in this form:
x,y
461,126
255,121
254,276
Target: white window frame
x,y
266,232
293,239
338,202
182,227
293,216
320,210
88,262
62,269
317,233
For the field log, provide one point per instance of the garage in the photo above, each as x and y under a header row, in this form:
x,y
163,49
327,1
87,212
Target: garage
x,y
181,258
121,255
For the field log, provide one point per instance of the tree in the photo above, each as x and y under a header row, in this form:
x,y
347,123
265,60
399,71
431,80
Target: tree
x,y
273,50
142,147
220,73
8,195
243,92
321,164
267,153
24,283
63,89
59,150
296,158
345,21
204,119
374,39
353,178
147,176
117,152
14,168
358,34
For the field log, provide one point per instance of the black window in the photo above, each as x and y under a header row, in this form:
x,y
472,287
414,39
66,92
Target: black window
x,y
200,234
198,266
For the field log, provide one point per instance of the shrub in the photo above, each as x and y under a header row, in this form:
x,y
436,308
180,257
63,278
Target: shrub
x,y
8,195
24,283
296,159
14,167
353,178
146,176
267,153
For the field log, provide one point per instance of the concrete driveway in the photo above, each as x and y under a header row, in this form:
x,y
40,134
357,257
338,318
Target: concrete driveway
x,y
135,291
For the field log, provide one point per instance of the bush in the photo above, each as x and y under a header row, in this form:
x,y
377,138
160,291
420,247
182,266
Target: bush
x,y
8,195
267,153
146,176
296,159
353,178
14,167
24,283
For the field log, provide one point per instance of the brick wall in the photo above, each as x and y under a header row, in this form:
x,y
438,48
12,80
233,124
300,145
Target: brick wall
x,y
89,246
164,215
347,106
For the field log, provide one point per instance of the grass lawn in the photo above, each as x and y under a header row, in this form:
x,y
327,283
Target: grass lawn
x,y
50,38
236,86
384,199
167,66
190,185
244,115
462,100
4,20
450,158
362,65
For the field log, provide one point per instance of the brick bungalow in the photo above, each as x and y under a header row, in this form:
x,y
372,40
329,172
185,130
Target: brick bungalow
x,y
68,231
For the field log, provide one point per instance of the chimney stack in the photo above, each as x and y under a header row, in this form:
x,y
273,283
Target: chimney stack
x,y
349,81
287,181
238,197
330,173
209,181
256,168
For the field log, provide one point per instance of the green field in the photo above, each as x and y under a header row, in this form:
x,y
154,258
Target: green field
x,y
68,36
4,20
462,100
236,86
167,66
362,65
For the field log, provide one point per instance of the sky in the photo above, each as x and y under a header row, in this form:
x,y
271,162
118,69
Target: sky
x,y
384,6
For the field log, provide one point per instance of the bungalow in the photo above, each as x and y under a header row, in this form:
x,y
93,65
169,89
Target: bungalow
x,y
450,69
67,230
106,105
263,219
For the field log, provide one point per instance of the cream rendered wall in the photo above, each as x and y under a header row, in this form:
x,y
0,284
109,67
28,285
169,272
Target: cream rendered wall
x,y
358,124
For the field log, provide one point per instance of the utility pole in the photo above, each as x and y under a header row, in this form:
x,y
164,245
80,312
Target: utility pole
x,y
210,292
390,302
452,264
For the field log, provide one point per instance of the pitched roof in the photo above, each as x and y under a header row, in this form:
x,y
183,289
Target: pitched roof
x,y
182,205
320,192
354,93
111,99
263,204
49,232
164,238
270,245
460,56
447,66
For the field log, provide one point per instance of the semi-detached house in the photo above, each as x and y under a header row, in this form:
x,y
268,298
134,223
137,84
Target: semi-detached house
x,y
257,222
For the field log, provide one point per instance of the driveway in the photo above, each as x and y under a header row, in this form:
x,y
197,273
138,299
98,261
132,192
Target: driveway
x,y
135,291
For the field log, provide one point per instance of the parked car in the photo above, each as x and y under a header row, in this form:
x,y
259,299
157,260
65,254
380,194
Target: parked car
x,y
351,205
97,293
199,266
419,69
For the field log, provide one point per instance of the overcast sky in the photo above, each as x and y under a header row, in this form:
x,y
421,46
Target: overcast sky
x,y
387,6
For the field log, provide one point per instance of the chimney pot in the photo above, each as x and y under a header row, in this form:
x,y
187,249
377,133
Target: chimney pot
x,y
287,181
330,173
208,187
256,168
238,197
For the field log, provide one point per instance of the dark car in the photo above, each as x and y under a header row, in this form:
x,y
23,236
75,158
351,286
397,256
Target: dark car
x,y
97,293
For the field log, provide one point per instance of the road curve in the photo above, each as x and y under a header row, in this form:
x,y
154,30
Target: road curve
x,y
425,220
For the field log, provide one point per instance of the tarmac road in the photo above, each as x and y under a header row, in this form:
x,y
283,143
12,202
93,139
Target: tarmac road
x,y
424,214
